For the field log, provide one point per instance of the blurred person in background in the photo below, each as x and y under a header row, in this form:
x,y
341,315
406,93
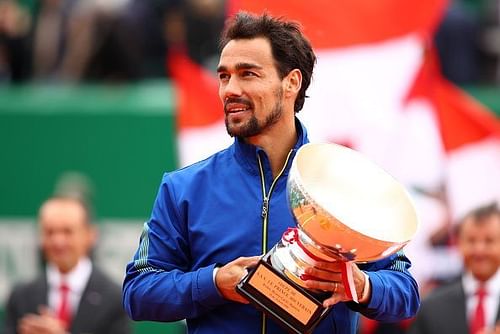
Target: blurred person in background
x,y
470,304
468,42
115,50
457,44
72,294
66,41
489,41
149,20
165,26
15,26
204,23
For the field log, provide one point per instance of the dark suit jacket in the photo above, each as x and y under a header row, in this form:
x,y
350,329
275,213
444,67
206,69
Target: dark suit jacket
x,y
99,312
443,312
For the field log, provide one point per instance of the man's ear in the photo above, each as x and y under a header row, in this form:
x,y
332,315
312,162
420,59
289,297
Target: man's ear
x,y
292,83
93,235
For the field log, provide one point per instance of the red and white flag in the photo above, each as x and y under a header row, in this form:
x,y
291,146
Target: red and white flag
x,y
376,87
470,140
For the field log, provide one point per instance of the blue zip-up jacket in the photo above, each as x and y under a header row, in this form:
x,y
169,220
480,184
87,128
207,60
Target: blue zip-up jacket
x,y
212,213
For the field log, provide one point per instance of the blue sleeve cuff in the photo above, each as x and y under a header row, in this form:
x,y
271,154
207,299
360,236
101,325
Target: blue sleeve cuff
x,y
377,290
205,290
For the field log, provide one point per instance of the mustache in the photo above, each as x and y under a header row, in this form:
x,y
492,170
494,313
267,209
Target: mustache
x,y
238,100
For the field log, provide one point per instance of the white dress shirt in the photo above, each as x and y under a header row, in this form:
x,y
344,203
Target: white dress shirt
x,y
76,280
491,300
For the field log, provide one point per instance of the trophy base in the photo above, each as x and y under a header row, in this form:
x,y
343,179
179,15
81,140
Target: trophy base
x,y
296,309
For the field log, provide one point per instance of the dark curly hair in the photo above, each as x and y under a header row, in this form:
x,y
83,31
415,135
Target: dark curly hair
x,y
290,49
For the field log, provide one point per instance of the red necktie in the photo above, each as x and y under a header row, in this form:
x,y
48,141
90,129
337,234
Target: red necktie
x,y
64,311
478,318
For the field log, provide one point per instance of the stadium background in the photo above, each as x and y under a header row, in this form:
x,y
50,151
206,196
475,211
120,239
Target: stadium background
x,y
112,141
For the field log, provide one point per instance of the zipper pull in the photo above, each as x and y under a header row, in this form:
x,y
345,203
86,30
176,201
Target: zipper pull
x,y
265,207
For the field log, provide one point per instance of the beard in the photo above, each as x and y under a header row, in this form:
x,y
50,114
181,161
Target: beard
x,y
252,127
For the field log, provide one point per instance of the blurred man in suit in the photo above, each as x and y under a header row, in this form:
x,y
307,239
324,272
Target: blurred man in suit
x,y
471,304
71,295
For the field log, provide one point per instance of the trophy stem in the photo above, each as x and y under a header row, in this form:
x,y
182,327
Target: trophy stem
x,y
296,252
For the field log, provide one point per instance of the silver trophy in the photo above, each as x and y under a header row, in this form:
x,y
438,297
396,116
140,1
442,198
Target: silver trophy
x,y
347,209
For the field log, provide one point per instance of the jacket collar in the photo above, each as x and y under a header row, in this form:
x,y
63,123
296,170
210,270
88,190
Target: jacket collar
x,y
246,154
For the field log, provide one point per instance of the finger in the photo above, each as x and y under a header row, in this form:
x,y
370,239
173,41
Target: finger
x,y
247,261
29,324
334,299
28,319
324,274
37,322
335,287
241,299
45,311
335,266
23,327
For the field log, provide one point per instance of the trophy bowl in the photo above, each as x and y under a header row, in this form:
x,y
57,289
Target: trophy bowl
x,y
346,209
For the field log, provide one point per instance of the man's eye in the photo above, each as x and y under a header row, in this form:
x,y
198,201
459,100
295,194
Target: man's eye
x,y
223,76
248,74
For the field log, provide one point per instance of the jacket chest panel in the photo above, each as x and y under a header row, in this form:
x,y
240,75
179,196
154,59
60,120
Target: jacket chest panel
x,y
225,225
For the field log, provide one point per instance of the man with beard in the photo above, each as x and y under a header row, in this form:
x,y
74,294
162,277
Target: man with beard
x,y
212,219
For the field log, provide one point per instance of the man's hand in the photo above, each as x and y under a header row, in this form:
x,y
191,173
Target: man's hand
x,y
327,276
495,330
43,323
230,275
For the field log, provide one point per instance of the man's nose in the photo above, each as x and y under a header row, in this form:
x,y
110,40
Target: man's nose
x,y
232,88
59,239
480,247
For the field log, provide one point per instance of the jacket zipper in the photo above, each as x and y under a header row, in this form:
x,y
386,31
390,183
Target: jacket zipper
x,y
265,211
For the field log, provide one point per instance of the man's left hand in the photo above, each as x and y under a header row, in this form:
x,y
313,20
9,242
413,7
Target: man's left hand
x,y
328,277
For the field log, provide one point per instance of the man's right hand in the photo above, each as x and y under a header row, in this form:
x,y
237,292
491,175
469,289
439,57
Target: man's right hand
x,y
43,323
229,275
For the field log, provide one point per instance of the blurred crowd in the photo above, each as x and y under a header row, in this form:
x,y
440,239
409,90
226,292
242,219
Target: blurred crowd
x,y
127,40
103,40
468,42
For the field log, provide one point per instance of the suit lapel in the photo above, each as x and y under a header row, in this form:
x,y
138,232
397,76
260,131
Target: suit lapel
x,y
90,301
458,306
40,294
497,320
450,313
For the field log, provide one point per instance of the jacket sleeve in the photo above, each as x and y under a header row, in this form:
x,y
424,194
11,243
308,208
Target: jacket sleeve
x,y
159,284
395,293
